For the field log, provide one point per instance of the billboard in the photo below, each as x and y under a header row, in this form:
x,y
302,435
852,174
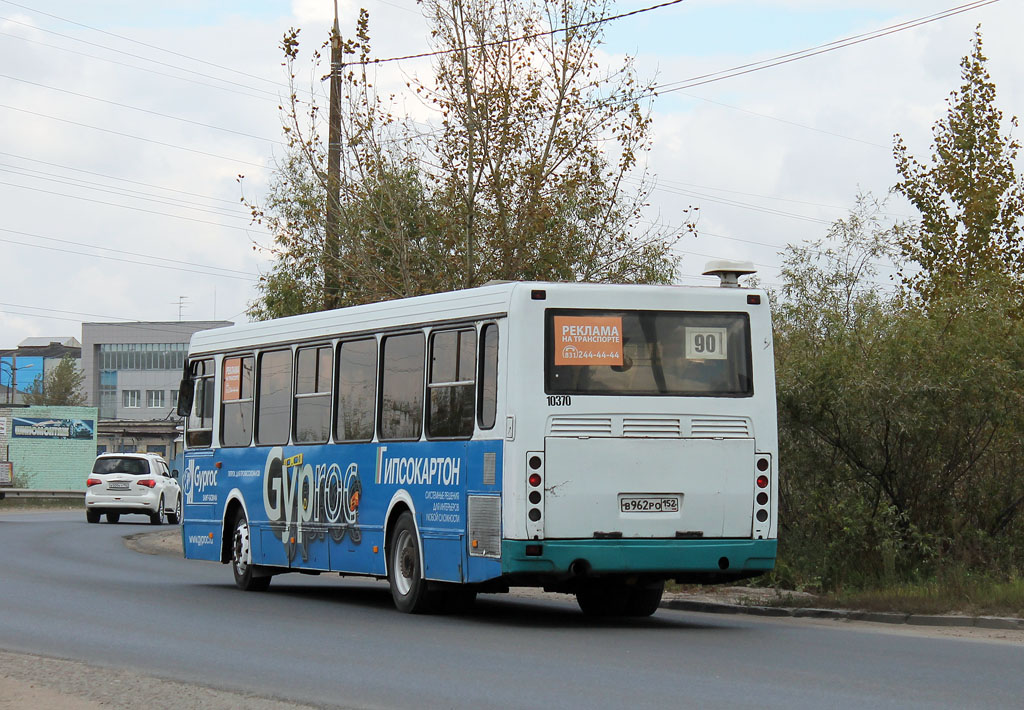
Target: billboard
x,y
34,428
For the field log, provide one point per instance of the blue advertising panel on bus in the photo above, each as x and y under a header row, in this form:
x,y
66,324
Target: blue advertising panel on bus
x,y
325,507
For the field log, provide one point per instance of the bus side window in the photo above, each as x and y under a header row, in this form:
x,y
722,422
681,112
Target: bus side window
x,y
313,367
488,399
236,401
357,390
200,419
451,385
273,397
401,387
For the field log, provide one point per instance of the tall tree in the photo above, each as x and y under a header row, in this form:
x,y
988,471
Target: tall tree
x,y
970,198
526,179
62,386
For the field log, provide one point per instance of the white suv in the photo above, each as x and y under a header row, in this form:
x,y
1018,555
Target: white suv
x,y
132,483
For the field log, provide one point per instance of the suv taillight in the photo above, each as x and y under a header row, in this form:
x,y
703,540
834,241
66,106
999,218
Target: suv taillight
x,y
147,482
90,482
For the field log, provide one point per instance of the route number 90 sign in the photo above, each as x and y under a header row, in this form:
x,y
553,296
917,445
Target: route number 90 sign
x,y
706,344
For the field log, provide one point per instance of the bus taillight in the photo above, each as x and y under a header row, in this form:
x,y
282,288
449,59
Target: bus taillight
x,y
535,495
762,499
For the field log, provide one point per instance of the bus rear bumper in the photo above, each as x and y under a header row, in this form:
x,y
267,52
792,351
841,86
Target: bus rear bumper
x,y
667,558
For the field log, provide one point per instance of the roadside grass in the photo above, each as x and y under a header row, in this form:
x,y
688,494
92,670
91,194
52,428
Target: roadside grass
x,y
955,594
30,504
954,590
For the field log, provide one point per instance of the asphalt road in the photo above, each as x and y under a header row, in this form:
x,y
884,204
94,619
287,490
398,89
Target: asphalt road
x,y
73,590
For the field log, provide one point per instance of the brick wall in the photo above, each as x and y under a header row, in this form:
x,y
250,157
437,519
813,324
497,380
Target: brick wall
x,y
49,463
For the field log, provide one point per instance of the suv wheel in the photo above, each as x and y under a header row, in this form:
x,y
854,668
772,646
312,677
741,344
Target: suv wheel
x,y
157,517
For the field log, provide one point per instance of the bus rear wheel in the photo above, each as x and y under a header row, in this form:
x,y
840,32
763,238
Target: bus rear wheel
x,y
604,599
408,588
241,559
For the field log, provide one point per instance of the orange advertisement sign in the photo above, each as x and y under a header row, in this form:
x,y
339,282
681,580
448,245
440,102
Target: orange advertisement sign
x,y
232,379
588,340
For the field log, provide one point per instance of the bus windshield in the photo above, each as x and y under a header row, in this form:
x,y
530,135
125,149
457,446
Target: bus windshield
x,y
647,353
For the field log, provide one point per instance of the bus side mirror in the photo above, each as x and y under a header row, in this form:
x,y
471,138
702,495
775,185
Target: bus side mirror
x,y
186,391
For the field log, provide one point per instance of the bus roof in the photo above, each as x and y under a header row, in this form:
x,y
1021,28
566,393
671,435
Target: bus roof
x,y
490,300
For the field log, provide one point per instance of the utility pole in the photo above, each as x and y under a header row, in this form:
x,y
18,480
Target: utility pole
x,y
332,251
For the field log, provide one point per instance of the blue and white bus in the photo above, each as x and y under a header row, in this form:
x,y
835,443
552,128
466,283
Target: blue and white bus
x,y
591,439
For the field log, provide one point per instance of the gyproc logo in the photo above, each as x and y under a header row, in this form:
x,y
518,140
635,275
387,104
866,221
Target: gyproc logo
x,y
196,482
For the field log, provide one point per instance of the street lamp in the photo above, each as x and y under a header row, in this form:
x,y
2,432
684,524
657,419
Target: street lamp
x,y
12,381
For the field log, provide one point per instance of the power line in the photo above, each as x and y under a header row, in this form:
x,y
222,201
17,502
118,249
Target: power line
x,y
814,51
509,40
127,207
129,135
136,56
141,44
788,123
120,179
127,261
160,200
127,321
141,110
210,269
149,71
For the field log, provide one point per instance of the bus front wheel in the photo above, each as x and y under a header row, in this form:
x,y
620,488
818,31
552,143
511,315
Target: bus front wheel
x,y
408,588
241,559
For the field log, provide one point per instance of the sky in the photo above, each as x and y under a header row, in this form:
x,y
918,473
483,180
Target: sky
x,y
124,126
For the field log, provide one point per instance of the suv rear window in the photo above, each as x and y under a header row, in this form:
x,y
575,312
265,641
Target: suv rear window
x,y
647,353
118,464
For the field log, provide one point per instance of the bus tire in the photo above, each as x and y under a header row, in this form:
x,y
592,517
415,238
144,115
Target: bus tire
x,y
644,599
408,587
602,599
241,559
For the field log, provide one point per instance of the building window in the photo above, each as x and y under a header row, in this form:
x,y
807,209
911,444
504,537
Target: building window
x,y
108,394
174,398
155,398
160,451
128,448
130,399
401,389
142,356
101,449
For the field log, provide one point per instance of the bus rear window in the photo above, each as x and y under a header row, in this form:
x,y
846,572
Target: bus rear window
x,y
647,353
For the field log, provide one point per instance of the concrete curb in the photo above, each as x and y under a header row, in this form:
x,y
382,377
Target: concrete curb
x,y
877,617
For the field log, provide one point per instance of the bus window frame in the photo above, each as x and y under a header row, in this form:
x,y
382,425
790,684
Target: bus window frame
x,y
241,400
261,354
481,383
381,353
297,396
428,374
337,435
